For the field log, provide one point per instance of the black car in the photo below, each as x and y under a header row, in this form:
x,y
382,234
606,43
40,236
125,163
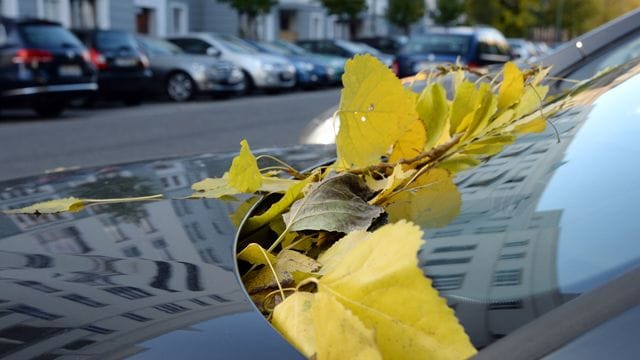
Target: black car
x,y
472,46
123,70
343,48
42,66
386,44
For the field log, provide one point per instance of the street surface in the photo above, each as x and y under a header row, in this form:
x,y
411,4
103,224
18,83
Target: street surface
x,y
111,133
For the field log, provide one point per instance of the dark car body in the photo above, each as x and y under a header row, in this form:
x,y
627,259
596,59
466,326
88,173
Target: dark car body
x,y
333,64
343,48
386,44
123,70
472,46
42,65
542,260
310,72
181,75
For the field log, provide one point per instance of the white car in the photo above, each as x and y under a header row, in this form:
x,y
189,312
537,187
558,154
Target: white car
x,y
262,71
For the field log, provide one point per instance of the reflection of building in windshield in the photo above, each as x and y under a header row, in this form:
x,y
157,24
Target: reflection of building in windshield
x,y
496,262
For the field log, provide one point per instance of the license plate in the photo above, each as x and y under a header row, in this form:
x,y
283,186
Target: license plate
x,y
70,70
125,62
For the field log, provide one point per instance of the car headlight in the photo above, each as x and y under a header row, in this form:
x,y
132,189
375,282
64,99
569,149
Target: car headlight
x,y
198,68
305,66
268,67
236,74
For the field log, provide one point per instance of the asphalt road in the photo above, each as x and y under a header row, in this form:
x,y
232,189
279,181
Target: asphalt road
x,y
110,133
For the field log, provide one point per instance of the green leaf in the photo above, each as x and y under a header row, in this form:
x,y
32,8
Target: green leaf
x,y
375,111
213,188
338,203
533,126
244,174
512,86
433,109
458,163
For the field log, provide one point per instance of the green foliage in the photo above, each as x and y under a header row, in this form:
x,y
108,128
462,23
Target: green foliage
x,y
514,18
448,12
403,13
347,11
248,11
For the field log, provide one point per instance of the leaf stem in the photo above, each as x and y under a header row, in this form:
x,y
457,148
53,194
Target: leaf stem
x,y
293,172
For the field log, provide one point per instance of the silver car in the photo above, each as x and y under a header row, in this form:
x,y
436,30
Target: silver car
x,y
181,75
263,71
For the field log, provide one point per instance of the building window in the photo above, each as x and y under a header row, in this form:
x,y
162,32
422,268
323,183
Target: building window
x,y
454,248
491,229
37,286
199,302
33,312
516,243
447,233
507,277
128,292
97,329
447,282
506,305
131,251
51,10
179,18
136,317
171,308
111,227
83,300
84,14
520,255
447,261
197,231
64,240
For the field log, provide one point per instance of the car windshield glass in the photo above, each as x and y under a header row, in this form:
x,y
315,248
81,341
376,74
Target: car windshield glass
x,y
438,43
626,51
236,45
114,40
276,49
349,46
295,49
48,36
160,47
368,49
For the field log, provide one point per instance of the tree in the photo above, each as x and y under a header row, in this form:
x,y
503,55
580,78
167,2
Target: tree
x,y
448,12
514,18
403,13
347,11
248,12
573,16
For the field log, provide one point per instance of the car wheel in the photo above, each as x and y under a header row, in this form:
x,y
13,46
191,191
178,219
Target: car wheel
x,y
249,86
49,110
180,87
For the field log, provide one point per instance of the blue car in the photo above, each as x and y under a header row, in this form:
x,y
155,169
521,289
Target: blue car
x,y
310,72
472,46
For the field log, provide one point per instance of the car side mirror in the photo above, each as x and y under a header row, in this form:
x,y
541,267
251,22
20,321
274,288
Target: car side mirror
x,y
211,51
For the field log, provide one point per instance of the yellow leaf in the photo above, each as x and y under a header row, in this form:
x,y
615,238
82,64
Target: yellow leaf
x,y
458,163
465,102
344,336
433,109
289,267
72,204
293,319
213,188
502,120
244,174
488,107
290,196
432,200
381,283
255,254
241,212
490,146
531,100
533,126
512,86
410,144
334,255
391,182
276,185
375,111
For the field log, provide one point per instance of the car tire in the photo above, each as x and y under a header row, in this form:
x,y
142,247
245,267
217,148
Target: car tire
x,y
249,85
180,87
49,110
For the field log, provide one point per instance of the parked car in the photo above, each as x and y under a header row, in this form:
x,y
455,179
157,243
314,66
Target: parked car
x,y
542,261
472,46
261,71
522,48
334,64
343,48
181,76
123,70
42,66
309,71
385,44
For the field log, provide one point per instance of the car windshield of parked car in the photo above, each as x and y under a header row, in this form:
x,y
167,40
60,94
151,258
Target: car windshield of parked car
x,y
350,46
114,40
48,36
235,45
160,47
295,49
272,48
368,49
628,50
438,43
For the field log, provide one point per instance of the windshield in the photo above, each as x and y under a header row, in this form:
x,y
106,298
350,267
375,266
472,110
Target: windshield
x,y
350,46
48,36
439,44
273,48
236,45
114,40
159,47
295,49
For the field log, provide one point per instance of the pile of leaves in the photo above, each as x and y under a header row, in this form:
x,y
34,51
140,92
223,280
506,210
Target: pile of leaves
x,y
330,256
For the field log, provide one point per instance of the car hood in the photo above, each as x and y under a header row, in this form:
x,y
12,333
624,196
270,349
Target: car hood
x,y
147,280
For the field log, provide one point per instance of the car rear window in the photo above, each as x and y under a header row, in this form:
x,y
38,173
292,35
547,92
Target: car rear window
x,y
48,36
440,44
114,40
